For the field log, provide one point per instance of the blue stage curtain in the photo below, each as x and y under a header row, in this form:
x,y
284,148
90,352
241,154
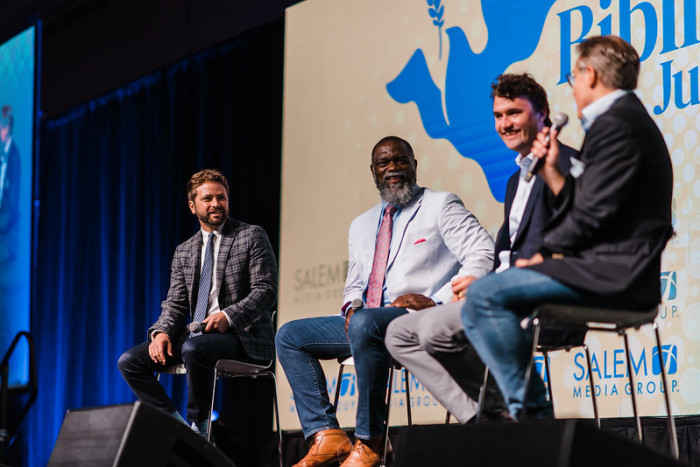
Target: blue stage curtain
x,y
113,209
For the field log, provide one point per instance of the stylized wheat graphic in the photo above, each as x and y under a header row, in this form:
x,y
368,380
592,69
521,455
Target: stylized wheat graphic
x,y
436,11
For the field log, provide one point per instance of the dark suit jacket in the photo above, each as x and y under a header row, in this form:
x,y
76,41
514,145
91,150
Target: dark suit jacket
x,y
247,272
612,223
535,217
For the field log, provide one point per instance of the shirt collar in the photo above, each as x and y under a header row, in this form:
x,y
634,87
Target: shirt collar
x,y
598,107
217,232
519,158
385,204
7,145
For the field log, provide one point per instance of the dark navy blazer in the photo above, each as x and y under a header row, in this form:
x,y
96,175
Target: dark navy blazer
x,y
535,217
613,221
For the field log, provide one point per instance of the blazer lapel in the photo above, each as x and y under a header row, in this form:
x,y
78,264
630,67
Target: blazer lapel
x,y
227,236
369,241
537,187
405,218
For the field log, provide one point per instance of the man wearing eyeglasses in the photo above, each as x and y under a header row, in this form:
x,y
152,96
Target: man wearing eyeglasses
x,y
612,220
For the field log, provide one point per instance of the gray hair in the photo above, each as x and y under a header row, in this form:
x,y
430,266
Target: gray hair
x,y
615,61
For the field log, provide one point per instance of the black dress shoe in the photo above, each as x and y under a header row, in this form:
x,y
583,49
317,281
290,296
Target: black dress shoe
x,y
492,416
500,416
536,413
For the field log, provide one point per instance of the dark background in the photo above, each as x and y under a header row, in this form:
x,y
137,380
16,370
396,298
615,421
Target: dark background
x,y
93,46
134,98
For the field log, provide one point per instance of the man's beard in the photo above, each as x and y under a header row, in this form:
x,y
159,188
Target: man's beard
x,y
207,219
399,194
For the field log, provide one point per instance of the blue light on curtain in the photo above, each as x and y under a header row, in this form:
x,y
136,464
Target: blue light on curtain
x,y
113,209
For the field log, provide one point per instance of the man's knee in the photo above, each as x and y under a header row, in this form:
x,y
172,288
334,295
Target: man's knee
x,y
127,361
131,362
124,361
189,349
363,327
475,303
284,339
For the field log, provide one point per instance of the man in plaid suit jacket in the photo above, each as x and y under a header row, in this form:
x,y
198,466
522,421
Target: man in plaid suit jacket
x,y
238,326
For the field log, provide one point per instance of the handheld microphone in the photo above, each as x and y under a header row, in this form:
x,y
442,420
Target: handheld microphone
x,y
357,304
559,121
196,327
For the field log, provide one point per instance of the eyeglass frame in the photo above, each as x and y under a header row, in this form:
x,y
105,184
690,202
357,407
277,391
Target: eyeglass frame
x,y
571,78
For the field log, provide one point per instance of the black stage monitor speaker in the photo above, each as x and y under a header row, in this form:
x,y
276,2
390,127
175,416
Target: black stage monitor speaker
x,y
541,443
131,435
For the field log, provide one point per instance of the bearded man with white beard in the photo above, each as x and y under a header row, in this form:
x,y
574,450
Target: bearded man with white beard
x,y
403,254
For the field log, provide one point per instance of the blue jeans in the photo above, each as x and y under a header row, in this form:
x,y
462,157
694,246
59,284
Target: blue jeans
x,y
302,343
492,312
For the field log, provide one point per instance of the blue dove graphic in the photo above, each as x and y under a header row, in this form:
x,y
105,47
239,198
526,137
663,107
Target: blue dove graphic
x,y
514,29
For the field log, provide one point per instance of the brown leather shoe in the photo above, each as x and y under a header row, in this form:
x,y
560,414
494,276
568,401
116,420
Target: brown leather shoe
x,y
327,446
365,453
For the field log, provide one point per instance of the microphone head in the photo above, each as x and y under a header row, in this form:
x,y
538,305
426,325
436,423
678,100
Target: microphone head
x,y
196,327
559,120
357,304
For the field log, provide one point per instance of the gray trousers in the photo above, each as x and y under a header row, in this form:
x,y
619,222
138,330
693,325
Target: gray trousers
x,y
431,344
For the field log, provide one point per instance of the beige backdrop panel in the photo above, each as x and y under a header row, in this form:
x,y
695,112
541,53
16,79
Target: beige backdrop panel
x,y
339,57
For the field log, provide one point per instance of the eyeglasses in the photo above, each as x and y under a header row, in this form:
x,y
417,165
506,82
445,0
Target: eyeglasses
x,y
571,79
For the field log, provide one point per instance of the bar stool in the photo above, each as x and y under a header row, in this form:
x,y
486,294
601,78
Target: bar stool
x,y
395,367
582,318
238,369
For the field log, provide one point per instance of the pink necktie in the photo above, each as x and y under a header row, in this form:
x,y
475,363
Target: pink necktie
x,y
381,254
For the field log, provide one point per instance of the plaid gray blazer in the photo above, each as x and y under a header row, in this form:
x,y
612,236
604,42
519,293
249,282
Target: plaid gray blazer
x,y
247,271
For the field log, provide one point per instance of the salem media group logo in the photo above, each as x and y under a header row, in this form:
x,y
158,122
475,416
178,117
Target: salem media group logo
x,y
668,285
610,371
611,377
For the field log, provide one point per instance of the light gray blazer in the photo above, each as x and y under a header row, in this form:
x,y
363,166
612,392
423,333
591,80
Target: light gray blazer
x,y
435,239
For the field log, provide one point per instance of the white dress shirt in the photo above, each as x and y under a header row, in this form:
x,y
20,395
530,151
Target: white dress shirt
x,y
215,286
517,209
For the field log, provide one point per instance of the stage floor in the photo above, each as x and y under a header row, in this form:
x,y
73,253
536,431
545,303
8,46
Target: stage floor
x,y
435,438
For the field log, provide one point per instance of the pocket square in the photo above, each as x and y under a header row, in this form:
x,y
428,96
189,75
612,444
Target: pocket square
x,y
419,241
577,167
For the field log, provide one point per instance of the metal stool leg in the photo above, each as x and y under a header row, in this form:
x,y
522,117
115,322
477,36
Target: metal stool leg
x,y
407,375
337,386
548,386
594,400
482,395
671,422
637,421
211,406
550,394
531,363
388,410
277,418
